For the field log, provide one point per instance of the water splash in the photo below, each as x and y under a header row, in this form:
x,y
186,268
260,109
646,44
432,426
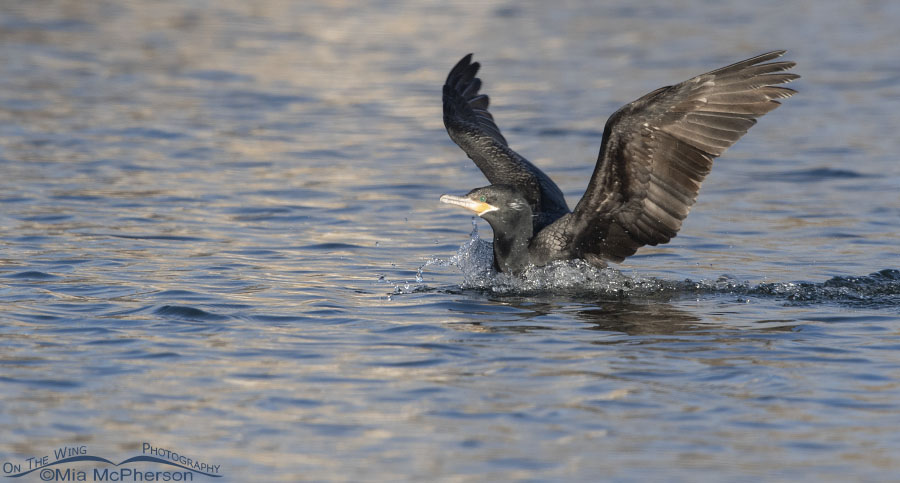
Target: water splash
x,y
473,252
878,289
474,259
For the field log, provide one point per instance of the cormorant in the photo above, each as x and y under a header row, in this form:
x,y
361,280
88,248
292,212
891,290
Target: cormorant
x,y
654,154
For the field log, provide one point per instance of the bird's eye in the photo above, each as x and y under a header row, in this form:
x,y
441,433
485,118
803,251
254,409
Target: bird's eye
x,y
483,198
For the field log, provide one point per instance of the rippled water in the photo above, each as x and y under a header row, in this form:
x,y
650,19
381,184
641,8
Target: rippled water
x,y
220,233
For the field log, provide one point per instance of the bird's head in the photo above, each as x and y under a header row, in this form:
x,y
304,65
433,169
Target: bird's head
x,y
499,205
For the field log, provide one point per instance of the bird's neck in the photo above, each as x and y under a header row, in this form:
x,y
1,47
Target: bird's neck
x,y
511,247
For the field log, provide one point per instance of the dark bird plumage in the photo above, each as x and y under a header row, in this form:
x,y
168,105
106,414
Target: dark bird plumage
x,y
654,155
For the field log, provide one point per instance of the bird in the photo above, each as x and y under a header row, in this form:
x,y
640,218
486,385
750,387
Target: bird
x,y
654,154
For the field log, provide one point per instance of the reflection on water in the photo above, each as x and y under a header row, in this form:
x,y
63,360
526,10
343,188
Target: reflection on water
x,y
212,215
640,319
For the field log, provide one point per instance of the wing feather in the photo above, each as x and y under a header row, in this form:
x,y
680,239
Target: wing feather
x,y
472,127
657,150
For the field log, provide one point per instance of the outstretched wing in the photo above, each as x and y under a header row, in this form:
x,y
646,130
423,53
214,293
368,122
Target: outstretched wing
x,y
657,150
472,127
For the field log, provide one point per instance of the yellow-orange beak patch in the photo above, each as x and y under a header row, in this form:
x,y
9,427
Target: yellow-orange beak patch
x,y
479,207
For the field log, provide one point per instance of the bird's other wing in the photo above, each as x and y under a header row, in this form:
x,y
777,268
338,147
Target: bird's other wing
x,y
657,150
472,127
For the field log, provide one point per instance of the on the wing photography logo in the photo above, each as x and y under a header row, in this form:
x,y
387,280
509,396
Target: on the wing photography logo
x,y
69,463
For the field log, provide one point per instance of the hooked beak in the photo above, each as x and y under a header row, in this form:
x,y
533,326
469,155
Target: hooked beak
x,y
479,207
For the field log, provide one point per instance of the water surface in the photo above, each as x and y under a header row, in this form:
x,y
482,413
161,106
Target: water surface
x,y
220,233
